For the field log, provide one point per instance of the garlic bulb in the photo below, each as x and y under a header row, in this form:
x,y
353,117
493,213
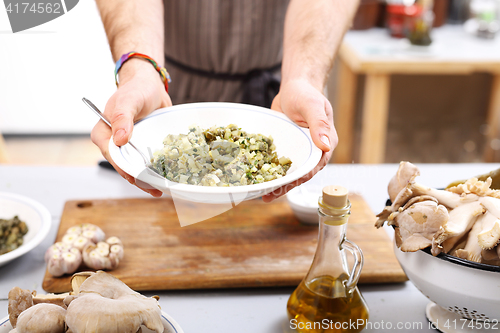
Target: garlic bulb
x,y
62,259
103,255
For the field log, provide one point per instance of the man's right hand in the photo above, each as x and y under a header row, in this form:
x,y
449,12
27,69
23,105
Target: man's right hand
x,y
141,91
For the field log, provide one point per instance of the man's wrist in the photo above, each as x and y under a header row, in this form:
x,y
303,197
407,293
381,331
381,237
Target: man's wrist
x,y
315,81
135,67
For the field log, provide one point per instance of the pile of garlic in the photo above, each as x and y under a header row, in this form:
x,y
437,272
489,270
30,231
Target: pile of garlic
x,y
85,242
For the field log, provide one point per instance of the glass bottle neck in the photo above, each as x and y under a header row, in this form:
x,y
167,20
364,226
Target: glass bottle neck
x,y
332,227
333,223
333,216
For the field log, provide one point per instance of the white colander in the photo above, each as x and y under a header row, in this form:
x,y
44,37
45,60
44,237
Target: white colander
x,y
469,289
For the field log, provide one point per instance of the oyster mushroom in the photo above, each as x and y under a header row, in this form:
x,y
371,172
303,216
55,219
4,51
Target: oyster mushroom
x,y
490,235
22,299
404,181
42,318
447,198
472,250
103,255
56,299
418,223
77,280
105,304
489,255
19,300
475,186
461,219
62,259
406,173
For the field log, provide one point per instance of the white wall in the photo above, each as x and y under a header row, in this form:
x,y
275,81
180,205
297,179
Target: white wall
x,y
46,70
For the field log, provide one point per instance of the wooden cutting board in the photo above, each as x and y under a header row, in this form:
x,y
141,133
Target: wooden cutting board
x,y
252,245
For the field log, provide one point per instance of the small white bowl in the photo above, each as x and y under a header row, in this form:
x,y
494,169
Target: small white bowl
x,y
291,141
304,203
36,216
469,289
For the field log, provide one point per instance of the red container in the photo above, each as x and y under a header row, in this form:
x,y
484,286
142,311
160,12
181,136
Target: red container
x,y
397,18
367,15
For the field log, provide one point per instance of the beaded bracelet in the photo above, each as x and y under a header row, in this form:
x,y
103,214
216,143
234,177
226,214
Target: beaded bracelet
x,y
165,76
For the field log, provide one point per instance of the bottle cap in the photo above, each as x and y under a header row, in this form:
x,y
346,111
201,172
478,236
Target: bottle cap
x,y
335,196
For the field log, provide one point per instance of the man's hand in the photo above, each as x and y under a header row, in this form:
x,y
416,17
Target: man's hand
x,y
313,32
132,25
307,107
141,91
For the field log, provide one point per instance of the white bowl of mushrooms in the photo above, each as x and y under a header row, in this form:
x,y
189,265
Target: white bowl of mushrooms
x,y
447,242
98,302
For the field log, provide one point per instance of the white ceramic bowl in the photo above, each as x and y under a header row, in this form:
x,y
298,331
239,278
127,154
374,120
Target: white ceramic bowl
x,y
169,323
467,288
36,216
304,202
291,141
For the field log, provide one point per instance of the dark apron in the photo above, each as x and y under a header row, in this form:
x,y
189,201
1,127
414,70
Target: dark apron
x,y
260,86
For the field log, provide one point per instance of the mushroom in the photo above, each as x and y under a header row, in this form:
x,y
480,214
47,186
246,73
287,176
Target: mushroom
x,y
19,300
22,299
466,224
472,250
406,173
490,235
404,181
445,197
61,259
418,223
104,255
56,299
42,318
105,304
77,279
475,186
461,220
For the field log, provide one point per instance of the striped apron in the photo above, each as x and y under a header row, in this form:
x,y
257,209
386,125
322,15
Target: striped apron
x,y
224,50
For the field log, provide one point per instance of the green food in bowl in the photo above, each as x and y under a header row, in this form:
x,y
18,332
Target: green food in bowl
x,y
219,156
11,234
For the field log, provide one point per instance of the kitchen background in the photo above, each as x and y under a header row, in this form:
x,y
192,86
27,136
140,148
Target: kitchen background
x,y
432,118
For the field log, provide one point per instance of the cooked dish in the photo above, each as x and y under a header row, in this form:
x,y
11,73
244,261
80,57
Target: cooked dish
x,y
219,156
11,234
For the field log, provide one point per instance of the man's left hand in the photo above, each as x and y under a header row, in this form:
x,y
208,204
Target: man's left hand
x,y
307,107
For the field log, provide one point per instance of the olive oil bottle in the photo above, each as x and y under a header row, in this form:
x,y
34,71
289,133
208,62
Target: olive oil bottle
x,y
328,300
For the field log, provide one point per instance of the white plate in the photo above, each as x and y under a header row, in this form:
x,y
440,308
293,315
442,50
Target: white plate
x,y
291,141
36,216
169,323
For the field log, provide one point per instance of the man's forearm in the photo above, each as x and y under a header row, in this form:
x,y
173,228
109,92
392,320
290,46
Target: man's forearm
x,y
313,33
134,25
